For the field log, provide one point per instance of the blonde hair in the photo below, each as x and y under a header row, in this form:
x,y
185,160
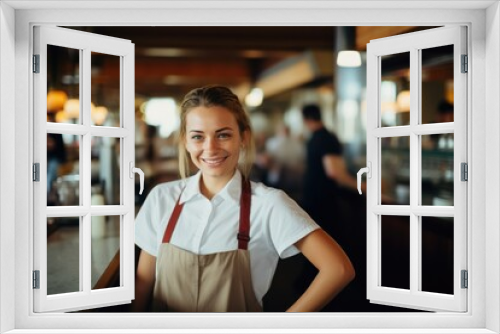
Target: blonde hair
x,y
216,96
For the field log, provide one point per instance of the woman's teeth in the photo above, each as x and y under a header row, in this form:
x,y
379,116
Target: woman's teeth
x,y
213,161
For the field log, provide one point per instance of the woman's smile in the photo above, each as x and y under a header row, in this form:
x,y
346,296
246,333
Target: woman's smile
x,y
214,162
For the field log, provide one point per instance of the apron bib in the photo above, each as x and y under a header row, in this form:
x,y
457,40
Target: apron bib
x,y
218,282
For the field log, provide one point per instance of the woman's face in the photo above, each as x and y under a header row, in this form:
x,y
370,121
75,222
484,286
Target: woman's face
x,y
213,140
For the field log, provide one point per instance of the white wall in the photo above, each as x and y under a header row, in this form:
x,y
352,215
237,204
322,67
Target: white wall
x,y
492,157
485,111
7,161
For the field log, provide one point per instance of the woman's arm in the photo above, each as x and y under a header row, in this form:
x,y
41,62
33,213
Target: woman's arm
x,y
335,271
144,282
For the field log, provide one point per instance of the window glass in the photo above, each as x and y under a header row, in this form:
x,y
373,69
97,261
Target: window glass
x,y
106,157
105,89
105,251
395,170
63,255
395,251
437,254
63,87
63,169
395,89
437,169
437,85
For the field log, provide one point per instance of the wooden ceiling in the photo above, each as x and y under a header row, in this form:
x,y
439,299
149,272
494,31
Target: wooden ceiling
x,y
172,60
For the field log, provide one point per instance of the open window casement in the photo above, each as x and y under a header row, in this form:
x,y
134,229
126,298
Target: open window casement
x,y
90,202
417,155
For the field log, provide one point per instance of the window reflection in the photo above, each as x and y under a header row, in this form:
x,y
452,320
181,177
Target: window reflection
x,y
63,170
63,255
437,85
437,169
395,170
105,171
63,87
395,89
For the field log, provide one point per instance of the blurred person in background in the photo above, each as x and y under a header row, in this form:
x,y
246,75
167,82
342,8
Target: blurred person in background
x,y
286,165
325,172
211,242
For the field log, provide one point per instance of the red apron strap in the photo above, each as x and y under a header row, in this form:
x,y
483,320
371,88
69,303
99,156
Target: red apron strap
x,y
244,227
172,221
245,202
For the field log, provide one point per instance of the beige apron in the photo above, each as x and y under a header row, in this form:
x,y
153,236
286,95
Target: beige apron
x,y
219,282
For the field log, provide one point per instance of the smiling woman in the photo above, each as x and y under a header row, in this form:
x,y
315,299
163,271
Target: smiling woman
x,y
214,148
201,251
218,110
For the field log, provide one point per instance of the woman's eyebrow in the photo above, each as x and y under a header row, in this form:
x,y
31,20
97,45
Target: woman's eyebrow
x,y
224,129
216,131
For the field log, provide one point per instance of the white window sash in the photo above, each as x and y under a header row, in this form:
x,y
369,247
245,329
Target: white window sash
x,y
86,298
414,298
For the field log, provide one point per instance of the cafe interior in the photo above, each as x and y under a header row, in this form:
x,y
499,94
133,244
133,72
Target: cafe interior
x,y
274,71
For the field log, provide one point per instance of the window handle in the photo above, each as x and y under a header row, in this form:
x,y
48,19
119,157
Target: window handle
x,y
368,171
138,171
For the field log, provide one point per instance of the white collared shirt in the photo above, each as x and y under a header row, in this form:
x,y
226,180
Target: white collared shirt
x,y
210,226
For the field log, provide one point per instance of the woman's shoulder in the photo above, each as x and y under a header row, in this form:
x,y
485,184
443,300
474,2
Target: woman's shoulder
x,y
269,194
279,208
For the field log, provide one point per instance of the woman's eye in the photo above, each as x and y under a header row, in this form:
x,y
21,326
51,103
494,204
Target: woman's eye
x,y
224,135
196,137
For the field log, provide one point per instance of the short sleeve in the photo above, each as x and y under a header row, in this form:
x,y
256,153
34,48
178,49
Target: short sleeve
x,y
332,145
288,224
146,224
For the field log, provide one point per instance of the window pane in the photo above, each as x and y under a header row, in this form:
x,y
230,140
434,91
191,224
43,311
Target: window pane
x,y
395,170
63,255
106,171
437,84
105,252
437,169
63,169
395,251
437,254
63,87
105,89
395,89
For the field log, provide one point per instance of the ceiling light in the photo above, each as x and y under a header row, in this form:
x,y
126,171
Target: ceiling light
x,y
56,100
403,101
349,59
98,115
254,98
162,112
72,108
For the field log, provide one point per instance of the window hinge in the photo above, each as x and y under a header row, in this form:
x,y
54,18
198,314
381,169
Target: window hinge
x,y
464,171
465,64
36,63
465,279
36,172
36,279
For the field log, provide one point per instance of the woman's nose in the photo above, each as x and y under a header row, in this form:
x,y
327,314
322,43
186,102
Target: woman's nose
x,y
210,144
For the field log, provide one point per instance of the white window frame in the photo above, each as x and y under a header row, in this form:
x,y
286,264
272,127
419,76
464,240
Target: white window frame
x,y
413,43
85,43
483,20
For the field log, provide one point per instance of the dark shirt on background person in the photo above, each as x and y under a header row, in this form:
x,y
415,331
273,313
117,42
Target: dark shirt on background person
x,y
320,191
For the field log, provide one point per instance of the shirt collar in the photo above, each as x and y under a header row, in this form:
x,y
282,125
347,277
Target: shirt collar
x,y
231,192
